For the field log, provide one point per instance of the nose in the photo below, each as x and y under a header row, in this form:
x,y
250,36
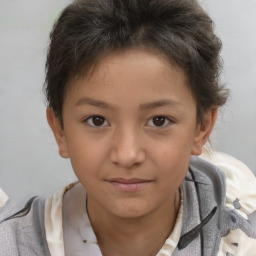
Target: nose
x,y
127,150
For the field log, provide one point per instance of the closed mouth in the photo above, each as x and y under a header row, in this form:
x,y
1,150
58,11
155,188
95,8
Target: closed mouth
x,y
129,185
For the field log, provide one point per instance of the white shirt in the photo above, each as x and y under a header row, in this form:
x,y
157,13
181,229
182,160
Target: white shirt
x,y
3,198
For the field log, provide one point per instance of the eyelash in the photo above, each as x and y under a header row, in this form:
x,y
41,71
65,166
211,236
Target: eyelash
x,y
89,120
167,121
104,122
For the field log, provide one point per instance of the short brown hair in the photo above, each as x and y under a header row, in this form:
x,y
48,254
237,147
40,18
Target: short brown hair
x,y
181,29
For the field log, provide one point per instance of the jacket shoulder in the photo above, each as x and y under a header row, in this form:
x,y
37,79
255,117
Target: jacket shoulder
x,y
22,229
240,238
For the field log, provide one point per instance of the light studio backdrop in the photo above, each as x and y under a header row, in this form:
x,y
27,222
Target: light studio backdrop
x,y
29,160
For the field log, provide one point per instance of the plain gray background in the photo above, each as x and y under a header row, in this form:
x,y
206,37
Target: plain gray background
x,y
29,160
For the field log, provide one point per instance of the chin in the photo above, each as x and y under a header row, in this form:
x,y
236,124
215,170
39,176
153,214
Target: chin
x,y
131,210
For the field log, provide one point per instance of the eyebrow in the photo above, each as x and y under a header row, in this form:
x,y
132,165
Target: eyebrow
x,y
150,105
160,103
92,102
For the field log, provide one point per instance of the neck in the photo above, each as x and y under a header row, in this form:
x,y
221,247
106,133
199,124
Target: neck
x,y
134,236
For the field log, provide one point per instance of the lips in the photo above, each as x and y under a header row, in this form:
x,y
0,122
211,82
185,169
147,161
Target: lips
x,y
129,185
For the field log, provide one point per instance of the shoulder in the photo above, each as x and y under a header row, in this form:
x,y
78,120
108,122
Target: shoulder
x,y
240,184
240,181
22,227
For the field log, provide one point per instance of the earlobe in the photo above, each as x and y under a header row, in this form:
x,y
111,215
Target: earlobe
x,y
58,132
204,130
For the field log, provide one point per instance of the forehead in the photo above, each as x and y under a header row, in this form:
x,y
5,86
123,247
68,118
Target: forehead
x,y
133,71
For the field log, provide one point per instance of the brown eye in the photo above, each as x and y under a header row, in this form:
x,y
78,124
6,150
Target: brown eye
x,y
159,121
97,121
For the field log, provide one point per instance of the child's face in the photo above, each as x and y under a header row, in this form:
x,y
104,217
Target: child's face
x,y
129,131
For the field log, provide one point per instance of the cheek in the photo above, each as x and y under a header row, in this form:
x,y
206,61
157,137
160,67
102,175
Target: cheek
x,y
86,158
172,160
175,162
173,150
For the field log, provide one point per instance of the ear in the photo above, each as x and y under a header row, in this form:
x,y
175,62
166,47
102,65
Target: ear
x,y
204,130
58,132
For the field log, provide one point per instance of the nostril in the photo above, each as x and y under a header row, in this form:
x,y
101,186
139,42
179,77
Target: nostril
x,y
126,158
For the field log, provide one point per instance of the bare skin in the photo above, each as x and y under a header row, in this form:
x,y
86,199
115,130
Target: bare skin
x,y
128,237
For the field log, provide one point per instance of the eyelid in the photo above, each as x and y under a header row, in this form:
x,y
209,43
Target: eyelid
x,y
168,121
87,121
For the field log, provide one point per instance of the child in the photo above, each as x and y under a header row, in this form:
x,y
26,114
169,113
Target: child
x,y
133,95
